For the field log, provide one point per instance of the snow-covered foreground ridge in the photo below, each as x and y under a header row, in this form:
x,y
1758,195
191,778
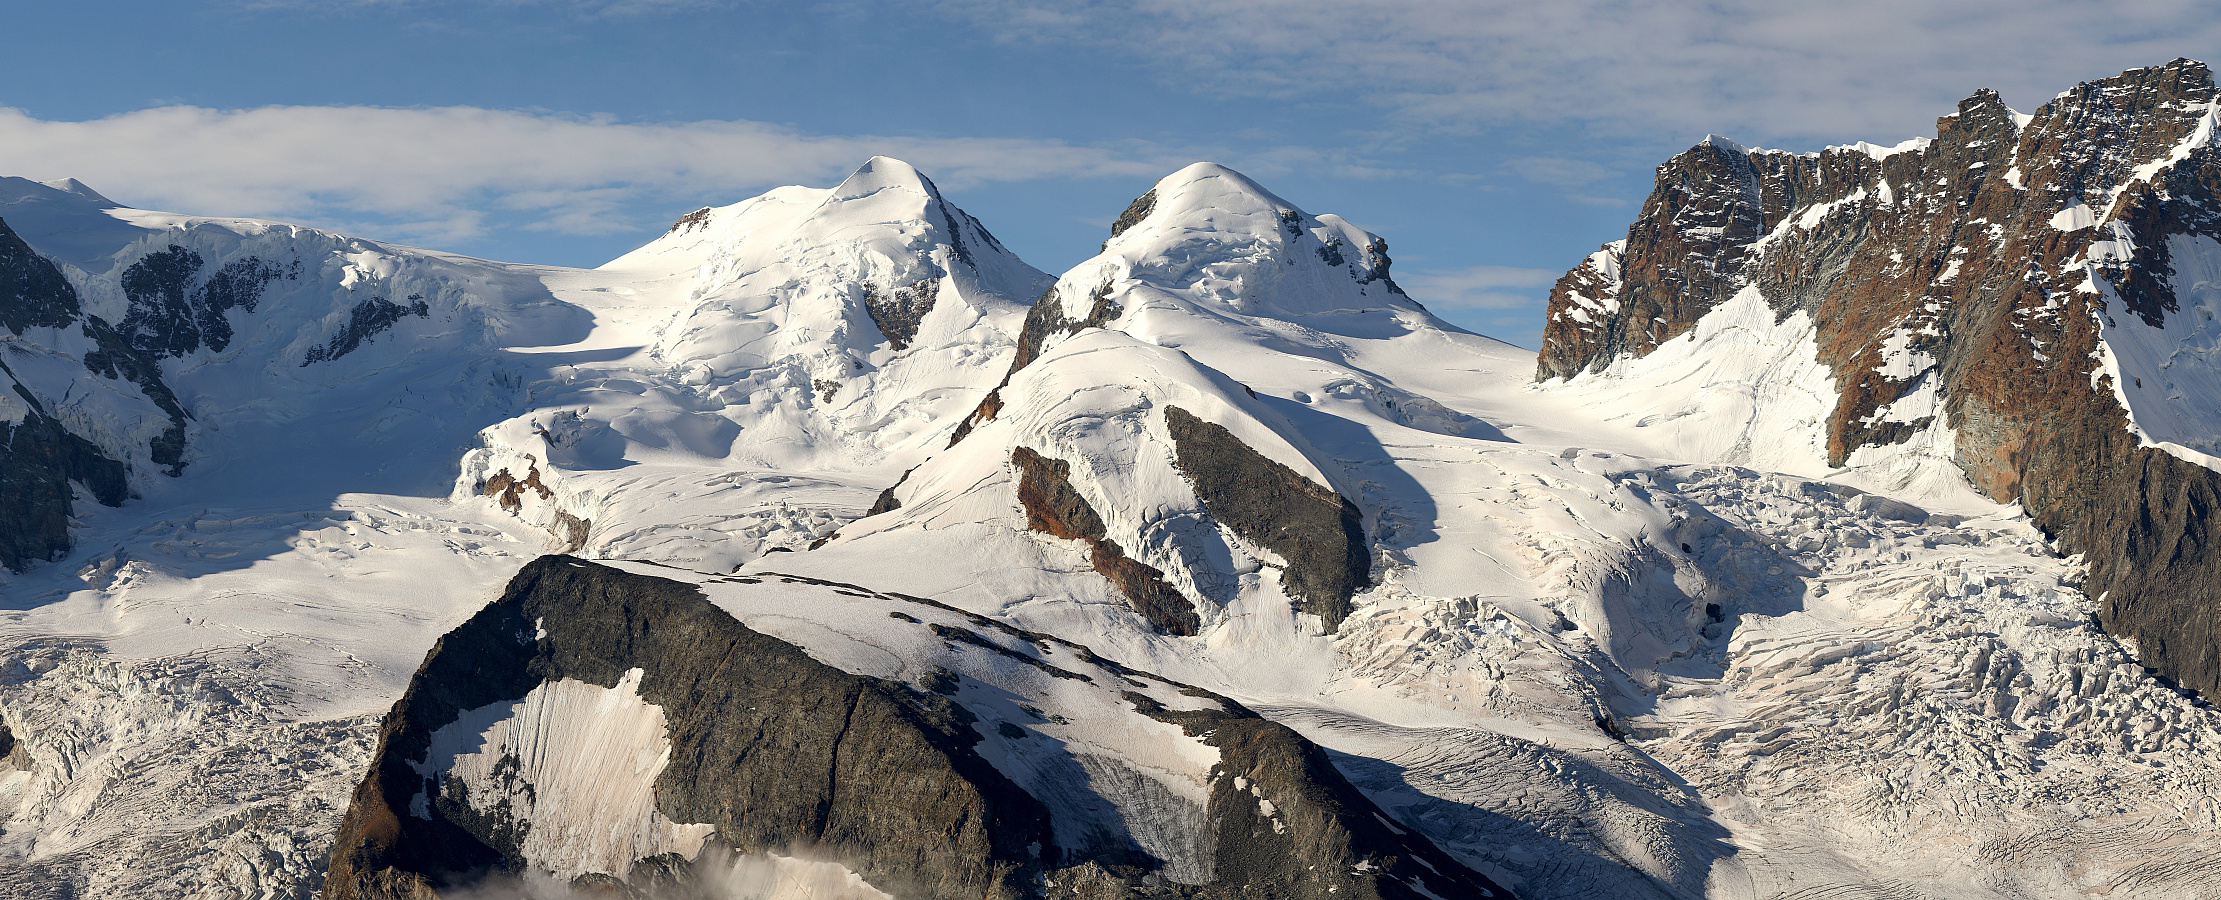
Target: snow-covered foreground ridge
x,y
1579,648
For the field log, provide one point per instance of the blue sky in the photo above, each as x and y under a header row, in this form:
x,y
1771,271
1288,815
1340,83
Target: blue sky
x,y
1493,144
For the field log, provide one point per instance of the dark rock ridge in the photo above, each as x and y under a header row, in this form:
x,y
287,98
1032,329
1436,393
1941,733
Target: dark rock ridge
x,y
33,291
776,749
369,317
113,357
1135,212
1054,508
35,294
38,460
39,457
174,311
779,751
1318,533
1953,247
693,220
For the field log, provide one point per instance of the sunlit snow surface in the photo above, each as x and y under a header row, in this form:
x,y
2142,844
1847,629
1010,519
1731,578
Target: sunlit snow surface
x,y
1816,691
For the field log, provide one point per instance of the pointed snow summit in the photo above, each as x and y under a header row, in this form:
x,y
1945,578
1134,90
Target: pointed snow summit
x,y
1185,409
842,332
1226,243
833,273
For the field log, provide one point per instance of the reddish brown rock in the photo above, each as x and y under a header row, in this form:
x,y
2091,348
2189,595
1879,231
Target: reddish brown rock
x,y
1054,508
1951,246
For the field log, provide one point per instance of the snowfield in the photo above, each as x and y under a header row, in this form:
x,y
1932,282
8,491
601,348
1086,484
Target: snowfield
x,y
1623,637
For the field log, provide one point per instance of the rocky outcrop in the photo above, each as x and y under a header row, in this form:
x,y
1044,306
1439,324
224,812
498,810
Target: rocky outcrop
x,y
899,312
691,221
38,461
366,320
569,530
1988,265
1135,212
1045,320
1317,533
174,311
772,750
13,754
39,457
1319,834
33,291
1054,508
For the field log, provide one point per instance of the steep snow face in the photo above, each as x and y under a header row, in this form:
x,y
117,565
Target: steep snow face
x,y
189,326
833,282
2166,376
1746,387
1207,275
571,768
811,344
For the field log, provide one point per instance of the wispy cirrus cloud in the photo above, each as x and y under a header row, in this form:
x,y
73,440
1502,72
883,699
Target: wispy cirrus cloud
x,y
434,174
1480,287
1791,71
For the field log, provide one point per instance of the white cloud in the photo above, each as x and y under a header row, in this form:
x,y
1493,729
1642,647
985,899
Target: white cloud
x,y
1795,71
1559,171
1480,287
433,173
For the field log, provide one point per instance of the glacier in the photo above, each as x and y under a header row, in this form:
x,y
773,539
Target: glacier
x,y
1626,634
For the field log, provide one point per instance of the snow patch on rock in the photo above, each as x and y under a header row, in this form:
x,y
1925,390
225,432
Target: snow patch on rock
x,y
573,768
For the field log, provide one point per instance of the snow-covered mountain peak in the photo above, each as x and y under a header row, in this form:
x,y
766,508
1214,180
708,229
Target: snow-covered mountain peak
x,y
1210,240
1724,143
15,190
881,173
846,277
79,188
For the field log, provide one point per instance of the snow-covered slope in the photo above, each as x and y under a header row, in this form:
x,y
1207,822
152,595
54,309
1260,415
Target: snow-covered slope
x,y
919,750
1643,635
808,346
1551,584
2020,305
207,614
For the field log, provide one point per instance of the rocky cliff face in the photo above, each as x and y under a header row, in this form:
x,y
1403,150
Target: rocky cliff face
x,y
39,456
2029,294
957,771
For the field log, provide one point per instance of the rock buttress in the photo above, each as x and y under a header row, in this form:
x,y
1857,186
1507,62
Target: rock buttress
x,y
1318,534
1952,256
776,750
1054,508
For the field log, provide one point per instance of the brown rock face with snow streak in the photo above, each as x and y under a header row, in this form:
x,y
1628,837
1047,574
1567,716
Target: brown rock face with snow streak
x,y
1990,264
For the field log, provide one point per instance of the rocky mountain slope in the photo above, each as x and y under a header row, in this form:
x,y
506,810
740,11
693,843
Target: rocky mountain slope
x,y
949,755
2026,300
1632,631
